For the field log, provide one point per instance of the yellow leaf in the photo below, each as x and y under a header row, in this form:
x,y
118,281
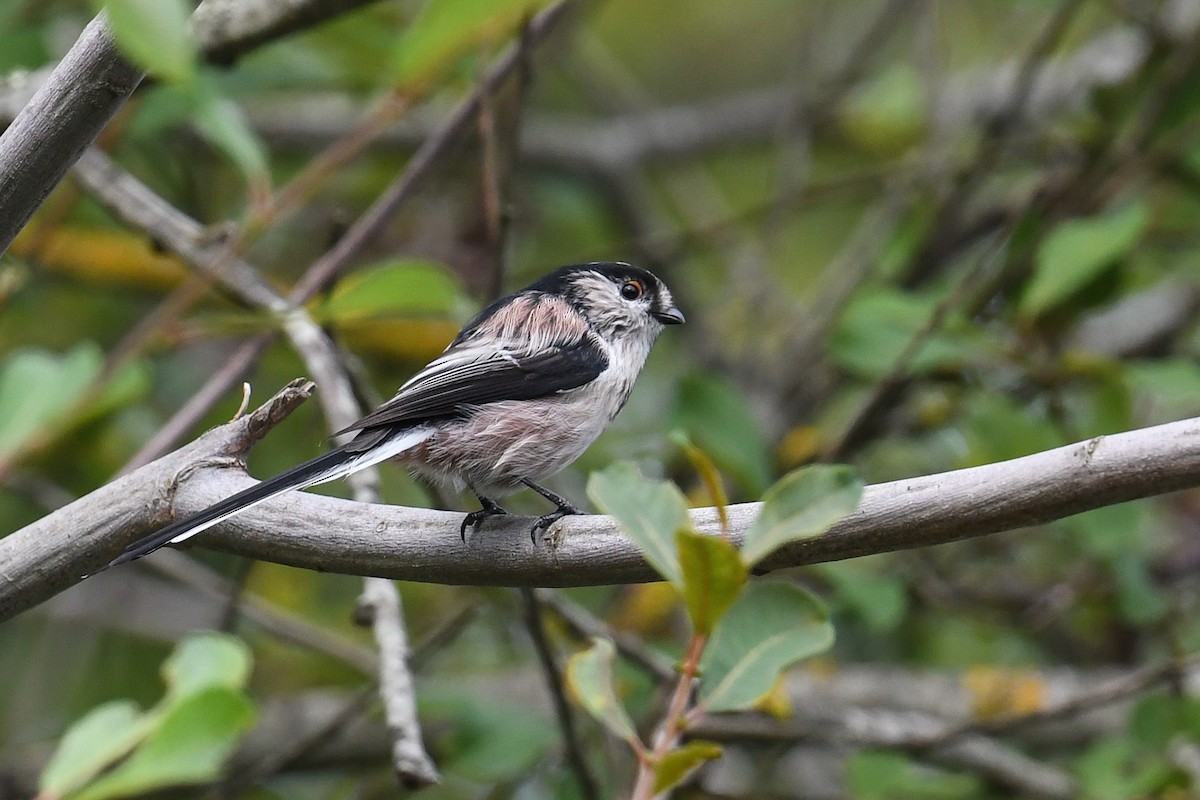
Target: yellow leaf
x,y
646,608
417,340
1001,692
100,255
800,445
776,702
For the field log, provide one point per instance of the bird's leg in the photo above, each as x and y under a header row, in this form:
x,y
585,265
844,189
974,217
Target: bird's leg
x,y
490,509
565,509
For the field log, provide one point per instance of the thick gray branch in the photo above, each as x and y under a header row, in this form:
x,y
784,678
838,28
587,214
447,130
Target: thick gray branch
x,y
89,85
324,533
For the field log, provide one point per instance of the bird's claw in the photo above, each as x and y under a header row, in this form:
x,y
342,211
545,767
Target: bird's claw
x,y
544,522
473,519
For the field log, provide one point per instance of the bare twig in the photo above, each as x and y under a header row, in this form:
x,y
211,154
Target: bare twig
x,y
882,728
232,369
586,625
227,29
554,683
418,168
998,132
1112,691
870,405
379,607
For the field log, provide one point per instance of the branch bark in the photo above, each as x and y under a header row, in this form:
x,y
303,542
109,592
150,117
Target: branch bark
x,y
324,533
227,29
87,88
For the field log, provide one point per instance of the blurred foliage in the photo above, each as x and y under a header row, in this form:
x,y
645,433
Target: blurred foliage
x,y
884,257
115,750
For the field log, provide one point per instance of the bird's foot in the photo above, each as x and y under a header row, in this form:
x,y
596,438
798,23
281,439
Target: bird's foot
x,y
490,509
565,509
546,520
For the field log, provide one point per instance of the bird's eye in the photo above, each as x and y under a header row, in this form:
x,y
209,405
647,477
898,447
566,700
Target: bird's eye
x,y
632,290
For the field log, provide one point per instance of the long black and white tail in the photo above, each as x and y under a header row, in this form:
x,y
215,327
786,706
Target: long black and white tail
x,y
358,454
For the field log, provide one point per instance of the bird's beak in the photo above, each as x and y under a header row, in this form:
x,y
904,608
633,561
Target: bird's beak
x,y
672,316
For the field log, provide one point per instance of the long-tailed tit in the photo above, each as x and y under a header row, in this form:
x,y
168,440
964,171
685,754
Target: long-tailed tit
x,y
519,394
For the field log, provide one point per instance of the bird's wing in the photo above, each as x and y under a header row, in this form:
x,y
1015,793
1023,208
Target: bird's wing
x,y
472,374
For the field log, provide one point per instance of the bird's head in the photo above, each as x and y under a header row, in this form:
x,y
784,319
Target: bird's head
x,y
616,298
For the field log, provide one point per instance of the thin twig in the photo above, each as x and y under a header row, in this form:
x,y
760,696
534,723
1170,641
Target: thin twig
x,y
554,683
379,607
671,729
419,166
998,135
1114,691
203,400
136,204
587,625
870,405
278,622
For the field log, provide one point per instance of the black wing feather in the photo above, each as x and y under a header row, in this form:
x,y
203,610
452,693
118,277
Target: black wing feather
x,y
554,369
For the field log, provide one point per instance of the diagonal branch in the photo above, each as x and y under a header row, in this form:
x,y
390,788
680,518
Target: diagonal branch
x,y
333,535
83,93
94,80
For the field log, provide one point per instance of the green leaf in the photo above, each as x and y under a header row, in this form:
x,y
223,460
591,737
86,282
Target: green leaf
x,y
188,746
93,742
490,740
713,576
443,30
38,389
1167,389
710,476
204,660
223,125
1139,599
997,428
879,775
889,113
877,597
771,626
877,326
154,34
590,681
408,286
681,762
1077,251
1118,768
802,504
649,511
716,416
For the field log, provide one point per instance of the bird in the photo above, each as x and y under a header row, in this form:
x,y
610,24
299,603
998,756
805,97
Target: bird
x,y
522,390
